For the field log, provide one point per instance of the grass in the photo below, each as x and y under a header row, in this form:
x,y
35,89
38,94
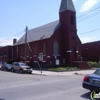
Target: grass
x,y
60,69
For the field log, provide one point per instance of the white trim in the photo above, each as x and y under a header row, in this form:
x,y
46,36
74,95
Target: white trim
x,y
35,61
43,61
77,51
68,51
56,55
35,55
48,56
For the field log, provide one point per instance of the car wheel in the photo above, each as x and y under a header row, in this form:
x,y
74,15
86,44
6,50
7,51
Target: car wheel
x,y
12,70
21,71
29,72
1,69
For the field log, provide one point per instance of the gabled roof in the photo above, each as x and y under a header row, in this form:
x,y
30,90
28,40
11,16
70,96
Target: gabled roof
x,y
42,32
67,5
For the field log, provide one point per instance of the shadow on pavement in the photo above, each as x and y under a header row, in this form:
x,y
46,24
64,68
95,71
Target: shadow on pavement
x,y
86,96
2,99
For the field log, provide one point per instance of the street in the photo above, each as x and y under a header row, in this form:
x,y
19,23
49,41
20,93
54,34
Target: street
x,y
15,86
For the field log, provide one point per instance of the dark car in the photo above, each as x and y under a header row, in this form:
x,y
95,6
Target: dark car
x,y
6,67
92,81
21,67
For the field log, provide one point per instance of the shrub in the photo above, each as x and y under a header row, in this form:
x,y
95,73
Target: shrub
x,y
93,64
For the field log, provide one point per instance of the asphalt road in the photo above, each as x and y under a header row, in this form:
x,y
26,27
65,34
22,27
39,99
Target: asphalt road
x,y
15,86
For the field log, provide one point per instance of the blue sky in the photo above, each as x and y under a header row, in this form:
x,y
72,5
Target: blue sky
x,y
15,15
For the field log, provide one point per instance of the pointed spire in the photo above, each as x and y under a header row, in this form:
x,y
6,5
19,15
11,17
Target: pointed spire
x,y
67,5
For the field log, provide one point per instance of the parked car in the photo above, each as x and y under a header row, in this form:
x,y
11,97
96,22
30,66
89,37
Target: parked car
x,y
6,67
92,81
21,67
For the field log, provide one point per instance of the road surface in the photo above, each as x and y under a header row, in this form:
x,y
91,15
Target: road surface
x,y
15,86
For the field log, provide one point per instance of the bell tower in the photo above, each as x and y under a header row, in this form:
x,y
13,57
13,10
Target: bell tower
x,y
67,16
67,13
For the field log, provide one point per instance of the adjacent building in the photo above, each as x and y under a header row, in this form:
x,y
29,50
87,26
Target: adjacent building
x,y
6,54
91,51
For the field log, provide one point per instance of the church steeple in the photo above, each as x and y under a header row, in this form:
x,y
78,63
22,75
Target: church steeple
x,y
67,5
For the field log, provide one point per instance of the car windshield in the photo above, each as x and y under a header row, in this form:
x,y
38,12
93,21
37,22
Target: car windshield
x,y
8,64
22,64
97,72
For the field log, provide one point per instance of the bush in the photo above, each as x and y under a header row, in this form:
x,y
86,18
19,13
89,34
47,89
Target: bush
x,y
60,69
93,64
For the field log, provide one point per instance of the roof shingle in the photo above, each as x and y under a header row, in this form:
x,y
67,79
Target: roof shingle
x,y
42,32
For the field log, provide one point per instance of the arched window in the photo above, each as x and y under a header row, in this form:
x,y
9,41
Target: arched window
x,y
72,20
44,48
35,49
56,47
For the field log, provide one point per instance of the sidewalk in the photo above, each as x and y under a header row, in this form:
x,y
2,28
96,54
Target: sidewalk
x,y
80,72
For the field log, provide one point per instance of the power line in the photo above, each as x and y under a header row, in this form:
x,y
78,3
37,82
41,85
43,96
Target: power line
x,y
11,36
80,19
89,31
87,17
88,14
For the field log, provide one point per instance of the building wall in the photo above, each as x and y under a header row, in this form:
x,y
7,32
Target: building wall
x,y
91,51
71,41
49,57
6,54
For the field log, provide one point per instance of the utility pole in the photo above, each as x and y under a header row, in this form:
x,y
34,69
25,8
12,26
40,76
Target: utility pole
x,y
26,43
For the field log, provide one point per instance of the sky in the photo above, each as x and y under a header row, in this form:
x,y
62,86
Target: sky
x,y
15,15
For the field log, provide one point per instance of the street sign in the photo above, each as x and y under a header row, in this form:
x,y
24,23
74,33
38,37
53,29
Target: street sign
x,y
40,56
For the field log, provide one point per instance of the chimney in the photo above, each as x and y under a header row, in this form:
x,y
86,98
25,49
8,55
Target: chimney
x,y
14,41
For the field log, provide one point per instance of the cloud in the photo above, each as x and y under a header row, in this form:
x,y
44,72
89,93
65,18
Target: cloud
x,y
88,5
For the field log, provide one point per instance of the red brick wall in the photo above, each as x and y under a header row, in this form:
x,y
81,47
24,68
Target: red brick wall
x,y
91,51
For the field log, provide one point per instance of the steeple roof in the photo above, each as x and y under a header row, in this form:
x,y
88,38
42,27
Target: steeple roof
x,y
67,5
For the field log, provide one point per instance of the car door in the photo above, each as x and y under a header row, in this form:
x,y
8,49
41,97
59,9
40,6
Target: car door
x,y
16,66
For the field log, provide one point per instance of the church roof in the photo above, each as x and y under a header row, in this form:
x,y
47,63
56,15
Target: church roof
x,y
42,32
67,5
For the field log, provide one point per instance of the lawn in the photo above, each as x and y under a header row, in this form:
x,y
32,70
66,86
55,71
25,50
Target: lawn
x,y
60,69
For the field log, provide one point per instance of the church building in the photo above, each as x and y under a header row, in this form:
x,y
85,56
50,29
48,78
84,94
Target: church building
x,y
55,43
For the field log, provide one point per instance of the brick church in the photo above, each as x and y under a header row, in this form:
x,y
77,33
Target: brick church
x,y
55,43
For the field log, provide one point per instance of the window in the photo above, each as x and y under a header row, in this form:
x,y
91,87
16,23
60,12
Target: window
x,y
35,49
44,48
5,53
56,47
72,20
1,53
